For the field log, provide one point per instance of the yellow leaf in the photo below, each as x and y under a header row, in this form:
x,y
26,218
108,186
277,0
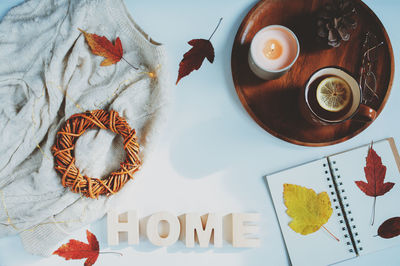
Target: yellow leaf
x,y
308,210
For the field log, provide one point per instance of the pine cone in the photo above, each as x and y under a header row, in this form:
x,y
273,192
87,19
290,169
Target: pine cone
x,y
336,21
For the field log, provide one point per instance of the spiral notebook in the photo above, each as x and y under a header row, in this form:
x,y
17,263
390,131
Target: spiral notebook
x,y
351,218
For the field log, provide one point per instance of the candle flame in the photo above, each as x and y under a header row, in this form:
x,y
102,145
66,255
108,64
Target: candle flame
x,y
272,49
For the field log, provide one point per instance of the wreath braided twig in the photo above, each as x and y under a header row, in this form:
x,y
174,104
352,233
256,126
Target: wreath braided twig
x,y
63,152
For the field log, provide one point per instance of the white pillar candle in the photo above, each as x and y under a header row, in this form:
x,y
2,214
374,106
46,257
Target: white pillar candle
x,y
273,50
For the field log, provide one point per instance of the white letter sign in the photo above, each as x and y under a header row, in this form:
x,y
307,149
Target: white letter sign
x,y
240,229
152,229
194,225
114,227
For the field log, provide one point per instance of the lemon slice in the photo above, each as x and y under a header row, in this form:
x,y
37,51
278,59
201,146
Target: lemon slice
x,y
333,94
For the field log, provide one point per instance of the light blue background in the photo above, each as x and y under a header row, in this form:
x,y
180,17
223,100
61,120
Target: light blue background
x,y
213,155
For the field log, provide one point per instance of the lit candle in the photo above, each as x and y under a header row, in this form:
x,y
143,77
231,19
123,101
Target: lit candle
x,y
273,50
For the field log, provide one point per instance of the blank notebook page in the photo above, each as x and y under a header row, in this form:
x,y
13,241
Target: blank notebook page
x,y
318,248
350,167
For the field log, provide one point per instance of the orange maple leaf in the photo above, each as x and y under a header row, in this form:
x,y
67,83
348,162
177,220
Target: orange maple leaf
x,y
76,250
100,45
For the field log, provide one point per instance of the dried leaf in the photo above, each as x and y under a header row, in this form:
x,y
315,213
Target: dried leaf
x,y
193,59
76,250
375,173
390,228
309,210
100,45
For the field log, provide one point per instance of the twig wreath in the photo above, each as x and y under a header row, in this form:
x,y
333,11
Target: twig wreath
x,y
63,152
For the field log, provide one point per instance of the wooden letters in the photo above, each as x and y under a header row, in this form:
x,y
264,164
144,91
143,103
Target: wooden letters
x,y
192,225
152,229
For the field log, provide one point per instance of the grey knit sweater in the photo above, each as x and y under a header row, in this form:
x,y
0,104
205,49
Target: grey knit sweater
x,y
47,74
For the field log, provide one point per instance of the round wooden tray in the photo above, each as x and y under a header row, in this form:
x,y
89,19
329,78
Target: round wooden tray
x,y
274,104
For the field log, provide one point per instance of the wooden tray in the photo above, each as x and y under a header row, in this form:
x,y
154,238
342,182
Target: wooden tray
x,y
274,104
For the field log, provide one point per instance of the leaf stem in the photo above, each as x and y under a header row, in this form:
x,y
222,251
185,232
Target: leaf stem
x,y
110,252
373,212
129,63
331,234
212,34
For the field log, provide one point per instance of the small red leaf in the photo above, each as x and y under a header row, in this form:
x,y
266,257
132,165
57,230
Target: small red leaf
x,y
76,250
193,59
375,173
390,228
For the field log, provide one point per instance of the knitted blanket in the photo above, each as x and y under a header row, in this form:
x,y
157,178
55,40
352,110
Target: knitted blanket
x,y
47,74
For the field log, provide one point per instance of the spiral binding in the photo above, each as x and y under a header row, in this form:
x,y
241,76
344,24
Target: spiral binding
x,y
342,208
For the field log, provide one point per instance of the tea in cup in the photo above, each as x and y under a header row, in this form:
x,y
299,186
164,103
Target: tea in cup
x,y
333,96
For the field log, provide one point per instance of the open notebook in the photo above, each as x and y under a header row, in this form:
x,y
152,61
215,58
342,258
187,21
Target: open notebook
x,y
351,217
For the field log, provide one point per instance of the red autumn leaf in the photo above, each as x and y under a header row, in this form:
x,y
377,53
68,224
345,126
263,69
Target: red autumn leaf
x,y
390,228
193,59
100,45
375,173
76,250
